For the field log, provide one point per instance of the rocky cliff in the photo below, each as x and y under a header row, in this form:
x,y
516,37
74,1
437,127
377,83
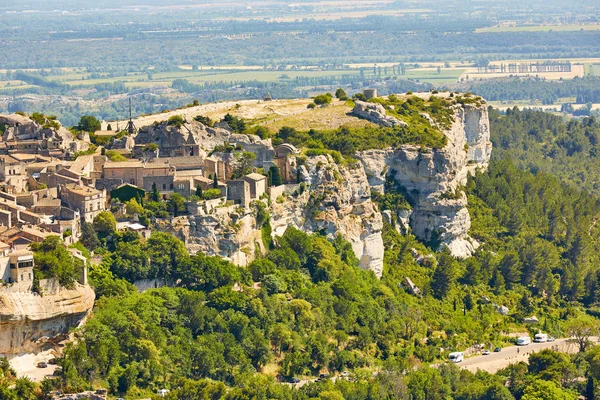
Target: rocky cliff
x,y
432,178
336,201
28,321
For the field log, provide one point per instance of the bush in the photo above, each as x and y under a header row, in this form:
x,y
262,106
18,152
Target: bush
x,y
176,120
311,106
204,120
211,194
323,99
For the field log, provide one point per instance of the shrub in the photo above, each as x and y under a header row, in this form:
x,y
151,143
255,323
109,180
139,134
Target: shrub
x,y
176,120
323,99
211,194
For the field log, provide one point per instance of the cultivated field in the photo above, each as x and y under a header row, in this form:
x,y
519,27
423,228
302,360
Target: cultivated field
x,y
538,28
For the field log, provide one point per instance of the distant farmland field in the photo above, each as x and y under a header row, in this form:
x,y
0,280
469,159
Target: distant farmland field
x,y
538,28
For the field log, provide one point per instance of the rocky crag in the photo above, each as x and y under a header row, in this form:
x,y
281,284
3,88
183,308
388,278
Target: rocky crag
x,y
335,199
30,322
433,178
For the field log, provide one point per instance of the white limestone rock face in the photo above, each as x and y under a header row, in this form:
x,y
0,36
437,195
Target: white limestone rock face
x,y
432,178
337,200
375,113
227,232
28,320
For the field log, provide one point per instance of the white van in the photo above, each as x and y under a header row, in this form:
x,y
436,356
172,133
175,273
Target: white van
x,y
456,357
523,341
540,338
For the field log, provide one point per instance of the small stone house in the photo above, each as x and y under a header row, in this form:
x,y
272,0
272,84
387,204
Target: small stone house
x,y
257,183
239,192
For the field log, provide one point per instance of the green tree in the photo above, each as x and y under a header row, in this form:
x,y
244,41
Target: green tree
x,y
154,194
176,204
443,276
215,181
105,224
341,94
89,237
176,120
87,123
275,176
133,207
244,163
199,191
25,389
546,390
323,99
581,328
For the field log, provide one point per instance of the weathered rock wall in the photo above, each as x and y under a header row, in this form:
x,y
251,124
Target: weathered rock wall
x,y
432,178
337,200
28,320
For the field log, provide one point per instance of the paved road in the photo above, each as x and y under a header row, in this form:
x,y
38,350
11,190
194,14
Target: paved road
x,y
514,354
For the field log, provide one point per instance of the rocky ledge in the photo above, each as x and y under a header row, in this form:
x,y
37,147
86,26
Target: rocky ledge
x,y
28,320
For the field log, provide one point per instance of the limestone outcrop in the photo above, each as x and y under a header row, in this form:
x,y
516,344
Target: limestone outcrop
x,y
193,138
17,127
336,201
28,321
227,232
432,178
375,113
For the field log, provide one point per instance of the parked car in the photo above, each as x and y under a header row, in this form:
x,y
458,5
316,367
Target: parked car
x,y
497,350
52,361
295,380
540,338
42,364
551,339
345,374
456,357
523,341
486,353
323,376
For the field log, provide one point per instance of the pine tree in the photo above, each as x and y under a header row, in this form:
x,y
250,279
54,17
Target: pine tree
x,y
443,277
590,388
468,301
155,195
215,181
199,191
275,176
497,282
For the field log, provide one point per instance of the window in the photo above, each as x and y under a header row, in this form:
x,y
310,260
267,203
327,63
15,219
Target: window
x,y
171,186
181,186
21,276
30,276
164,186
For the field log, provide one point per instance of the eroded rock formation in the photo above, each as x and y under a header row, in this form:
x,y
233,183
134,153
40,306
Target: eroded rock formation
x,y
432,178
28,321
375,113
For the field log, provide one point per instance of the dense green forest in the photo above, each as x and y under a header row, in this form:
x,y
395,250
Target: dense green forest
x,y
539,141
582,90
